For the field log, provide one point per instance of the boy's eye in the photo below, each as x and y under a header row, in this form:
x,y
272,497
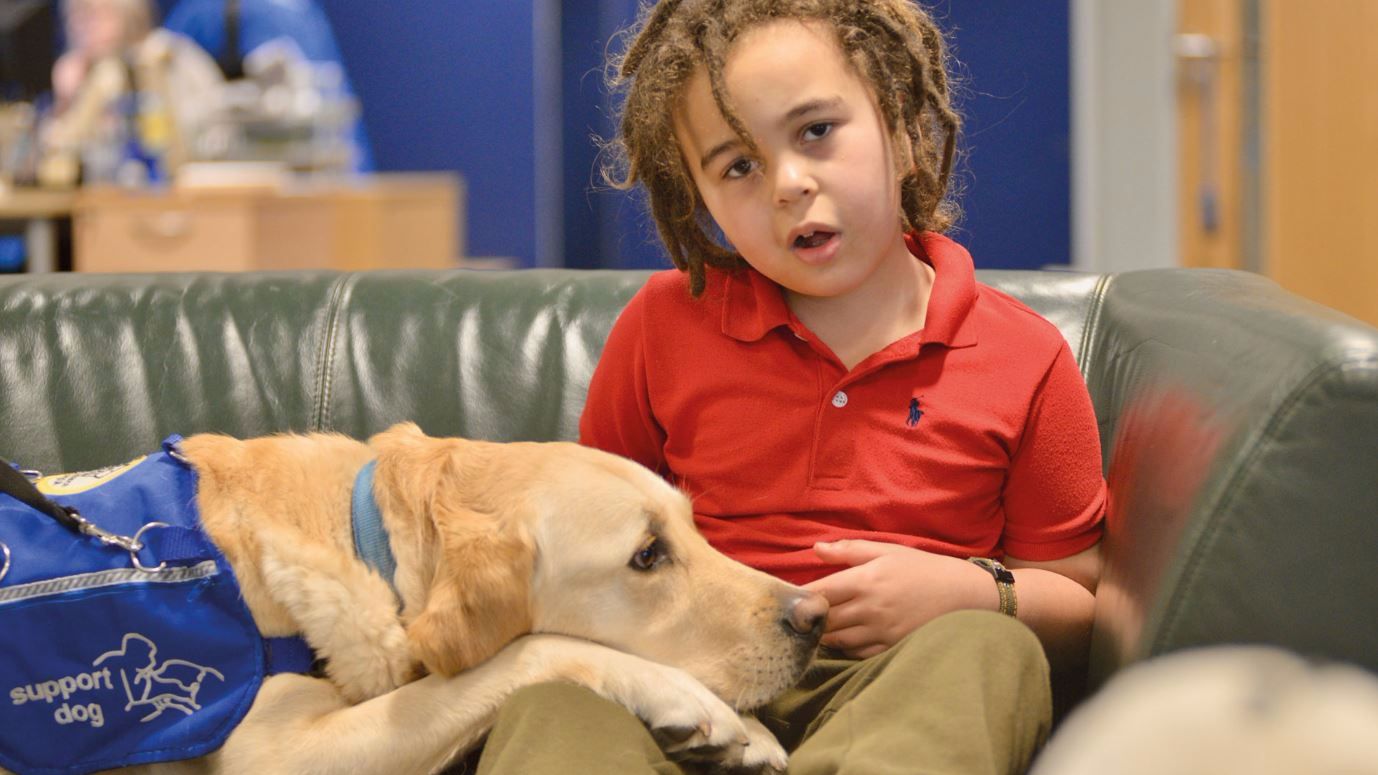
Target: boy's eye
x,y
739,168
817,131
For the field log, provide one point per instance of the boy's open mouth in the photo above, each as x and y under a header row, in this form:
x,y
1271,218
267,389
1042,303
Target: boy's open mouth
x,y
812,239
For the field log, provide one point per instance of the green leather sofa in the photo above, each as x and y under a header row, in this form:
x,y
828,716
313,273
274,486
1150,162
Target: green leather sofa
x,y
1239,422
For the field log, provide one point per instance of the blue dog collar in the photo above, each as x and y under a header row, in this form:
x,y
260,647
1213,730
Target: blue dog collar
x,y
370,537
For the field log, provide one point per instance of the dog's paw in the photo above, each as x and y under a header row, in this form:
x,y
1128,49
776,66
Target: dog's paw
x,y
683,715
721,740
690,722
763,752
759,754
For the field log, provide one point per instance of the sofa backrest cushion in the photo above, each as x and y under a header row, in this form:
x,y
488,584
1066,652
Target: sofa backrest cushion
x,y
97,368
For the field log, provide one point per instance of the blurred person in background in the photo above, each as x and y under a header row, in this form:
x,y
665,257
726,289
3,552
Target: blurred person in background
x,y
129,98
238,32
1258,709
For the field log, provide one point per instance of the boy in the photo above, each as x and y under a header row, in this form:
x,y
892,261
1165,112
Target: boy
x,y
847,407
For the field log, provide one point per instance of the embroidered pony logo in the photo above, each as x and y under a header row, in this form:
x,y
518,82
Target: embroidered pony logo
x,y
915,413
173,683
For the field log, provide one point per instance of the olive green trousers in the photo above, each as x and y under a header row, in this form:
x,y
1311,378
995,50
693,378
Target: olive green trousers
x,y
966,694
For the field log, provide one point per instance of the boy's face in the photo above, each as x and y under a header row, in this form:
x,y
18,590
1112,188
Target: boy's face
x,y
816,209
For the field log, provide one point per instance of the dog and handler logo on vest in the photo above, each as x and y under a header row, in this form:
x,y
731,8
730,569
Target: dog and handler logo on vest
x,y
116,653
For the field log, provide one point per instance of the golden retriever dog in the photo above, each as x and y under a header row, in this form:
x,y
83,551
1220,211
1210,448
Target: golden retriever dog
x,y
517,563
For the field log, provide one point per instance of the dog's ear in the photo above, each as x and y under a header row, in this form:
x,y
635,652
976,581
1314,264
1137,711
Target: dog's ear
x,y
409,464
479,599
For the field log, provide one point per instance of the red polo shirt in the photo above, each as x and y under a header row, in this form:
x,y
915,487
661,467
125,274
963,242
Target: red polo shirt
x,y
973,436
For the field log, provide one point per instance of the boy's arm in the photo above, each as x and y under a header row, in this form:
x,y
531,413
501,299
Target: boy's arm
x,y
889,590
1055,500
617,415
1057,600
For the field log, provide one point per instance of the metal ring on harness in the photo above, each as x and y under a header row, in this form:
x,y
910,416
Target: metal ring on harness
x,y
134,553
175,452
6,567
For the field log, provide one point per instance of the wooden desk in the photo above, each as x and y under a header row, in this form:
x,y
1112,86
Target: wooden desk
x,y
376,222
40,211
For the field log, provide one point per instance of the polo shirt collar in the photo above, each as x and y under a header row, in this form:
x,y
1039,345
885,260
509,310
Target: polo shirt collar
x,y
754,305
954,289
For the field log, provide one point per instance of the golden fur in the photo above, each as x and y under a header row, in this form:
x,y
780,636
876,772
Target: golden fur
x,y
493,542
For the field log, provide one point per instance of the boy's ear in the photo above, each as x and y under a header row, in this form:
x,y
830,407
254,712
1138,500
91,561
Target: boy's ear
x,y
905,163
479,600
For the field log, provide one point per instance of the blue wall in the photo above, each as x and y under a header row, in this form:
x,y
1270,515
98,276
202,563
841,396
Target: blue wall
x,y
450,85
1015,59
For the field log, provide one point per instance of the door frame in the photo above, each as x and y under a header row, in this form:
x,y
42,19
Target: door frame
x,y
1124,135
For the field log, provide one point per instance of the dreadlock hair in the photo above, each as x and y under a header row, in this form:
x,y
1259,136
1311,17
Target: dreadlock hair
x,y
895,47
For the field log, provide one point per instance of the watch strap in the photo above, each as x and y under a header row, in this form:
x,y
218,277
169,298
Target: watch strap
x,y
1004,583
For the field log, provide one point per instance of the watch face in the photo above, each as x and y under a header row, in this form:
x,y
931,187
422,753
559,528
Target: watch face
x,y
1004,580
1000,572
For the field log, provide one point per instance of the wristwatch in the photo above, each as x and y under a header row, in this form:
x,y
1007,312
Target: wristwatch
x,y
1004,582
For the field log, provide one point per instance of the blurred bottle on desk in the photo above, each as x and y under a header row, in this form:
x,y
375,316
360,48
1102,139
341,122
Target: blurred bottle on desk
x,y
289,110
18,145
256,40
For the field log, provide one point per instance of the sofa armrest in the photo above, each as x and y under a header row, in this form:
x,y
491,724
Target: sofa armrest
x,y
1240,425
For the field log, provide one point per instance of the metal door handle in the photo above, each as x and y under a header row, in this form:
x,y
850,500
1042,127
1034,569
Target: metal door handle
x,y
1200,57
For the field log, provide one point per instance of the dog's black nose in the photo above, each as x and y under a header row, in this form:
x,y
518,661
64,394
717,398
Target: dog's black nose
x,y
807,613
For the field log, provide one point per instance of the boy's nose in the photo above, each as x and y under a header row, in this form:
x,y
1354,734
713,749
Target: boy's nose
x,y
793,182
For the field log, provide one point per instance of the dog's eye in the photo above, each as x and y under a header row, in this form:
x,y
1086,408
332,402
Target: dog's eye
x,y
649,555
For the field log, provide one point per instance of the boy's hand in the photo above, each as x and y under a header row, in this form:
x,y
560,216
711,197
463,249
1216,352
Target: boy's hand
x,y
889,590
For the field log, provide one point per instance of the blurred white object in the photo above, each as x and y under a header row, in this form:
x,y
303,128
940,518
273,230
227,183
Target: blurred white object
x,y
257,175
1253,709
287,109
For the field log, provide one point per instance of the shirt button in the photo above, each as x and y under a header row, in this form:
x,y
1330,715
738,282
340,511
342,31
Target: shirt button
x,y
839,399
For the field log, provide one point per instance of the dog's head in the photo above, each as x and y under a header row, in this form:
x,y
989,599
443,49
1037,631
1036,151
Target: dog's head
x,y
559,538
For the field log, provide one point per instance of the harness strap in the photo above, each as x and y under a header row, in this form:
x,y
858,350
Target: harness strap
x,y
170,544
18,486
178,545
287,655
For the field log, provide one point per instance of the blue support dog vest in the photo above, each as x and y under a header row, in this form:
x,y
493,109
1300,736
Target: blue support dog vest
x,y
111,654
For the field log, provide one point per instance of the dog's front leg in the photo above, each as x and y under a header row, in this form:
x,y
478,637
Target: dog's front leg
x,y
303,725
345,611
